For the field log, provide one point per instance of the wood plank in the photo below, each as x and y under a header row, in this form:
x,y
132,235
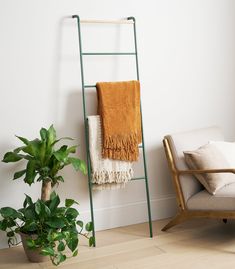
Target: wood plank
x,y
194,244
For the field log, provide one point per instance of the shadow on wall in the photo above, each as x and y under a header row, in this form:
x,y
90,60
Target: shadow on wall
x,y
158,171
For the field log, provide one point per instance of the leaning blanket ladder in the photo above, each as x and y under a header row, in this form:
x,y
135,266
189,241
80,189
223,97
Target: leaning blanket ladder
x,y
129,20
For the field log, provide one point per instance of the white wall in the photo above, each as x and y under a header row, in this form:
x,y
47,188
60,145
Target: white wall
x,y
187,65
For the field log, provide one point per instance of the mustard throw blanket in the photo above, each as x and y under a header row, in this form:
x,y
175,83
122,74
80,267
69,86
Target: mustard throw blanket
x,y
119,109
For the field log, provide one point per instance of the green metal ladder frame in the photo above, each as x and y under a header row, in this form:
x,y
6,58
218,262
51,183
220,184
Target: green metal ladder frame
x,y
84,86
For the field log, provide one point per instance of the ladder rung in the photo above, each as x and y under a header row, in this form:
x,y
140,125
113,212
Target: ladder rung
x,y
89,86
108,53
94,86
108,21
138,178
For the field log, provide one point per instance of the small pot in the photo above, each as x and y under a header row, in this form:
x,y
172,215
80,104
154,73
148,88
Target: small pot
x,y
33,255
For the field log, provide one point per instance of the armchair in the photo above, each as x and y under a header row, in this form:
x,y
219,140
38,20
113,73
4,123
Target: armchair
x,y
192,199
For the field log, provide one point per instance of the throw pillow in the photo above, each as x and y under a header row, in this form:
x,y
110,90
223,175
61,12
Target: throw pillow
x,y
214,155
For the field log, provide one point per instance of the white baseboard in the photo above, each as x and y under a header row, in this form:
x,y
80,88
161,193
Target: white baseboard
x,y
132,213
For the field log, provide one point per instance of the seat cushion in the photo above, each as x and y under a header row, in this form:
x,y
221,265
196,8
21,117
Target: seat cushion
x,y
224,199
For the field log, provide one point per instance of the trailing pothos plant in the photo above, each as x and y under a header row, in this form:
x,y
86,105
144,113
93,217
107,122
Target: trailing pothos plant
x,y
50,228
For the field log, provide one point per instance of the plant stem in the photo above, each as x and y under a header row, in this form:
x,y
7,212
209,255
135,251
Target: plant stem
x,y
46,189
85,235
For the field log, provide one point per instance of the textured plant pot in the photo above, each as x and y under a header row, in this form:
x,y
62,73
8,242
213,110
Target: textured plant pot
x,y
32,255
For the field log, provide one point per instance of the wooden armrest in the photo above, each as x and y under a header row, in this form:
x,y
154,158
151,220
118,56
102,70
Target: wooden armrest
x,y
189,172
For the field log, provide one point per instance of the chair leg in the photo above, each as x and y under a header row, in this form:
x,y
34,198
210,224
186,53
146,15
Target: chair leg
x,y
177,220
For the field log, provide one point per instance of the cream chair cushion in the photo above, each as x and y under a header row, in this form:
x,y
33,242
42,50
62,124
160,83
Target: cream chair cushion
x,y
224,199
214,155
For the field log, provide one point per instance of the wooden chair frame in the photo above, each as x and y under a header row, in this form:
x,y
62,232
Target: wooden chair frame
x,y
184,213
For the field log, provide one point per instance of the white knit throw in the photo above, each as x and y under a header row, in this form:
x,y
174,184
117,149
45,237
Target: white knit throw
x,y
106,173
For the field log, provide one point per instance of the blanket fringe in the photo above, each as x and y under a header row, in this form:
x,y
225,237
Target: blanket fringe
x,y
109,186
103,177
121,147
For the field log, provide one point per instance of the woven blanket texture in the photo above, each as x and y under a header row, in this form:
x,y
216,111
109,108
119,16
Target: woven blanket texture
x,y
119,109
106,173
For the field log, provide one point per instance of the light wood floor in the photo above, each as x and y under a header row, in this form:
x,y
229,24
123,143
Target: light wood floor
x,y
195,244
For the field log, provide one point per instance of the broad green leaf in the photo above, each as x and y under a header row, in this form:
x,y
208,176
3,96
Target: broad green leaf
x,y
54,203
72,244
61,246
46,211
80,223
19,174
11,157
43,133
89,226
78,164
72,212
60,210
55,222
47,251
31,227
30,172
61,154
91,241
30,213
38,207
57,236
42,210
33,147
21,210
50,235
53,195
11,223
24,140
51,136
66,234
75,253
42,152
30,243
8,212
72,149
70,202
54,165
3,225
27,201
62,257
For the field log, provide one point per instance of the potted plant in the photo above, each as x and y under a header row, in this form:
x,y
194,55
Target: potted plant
x,y
46,228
